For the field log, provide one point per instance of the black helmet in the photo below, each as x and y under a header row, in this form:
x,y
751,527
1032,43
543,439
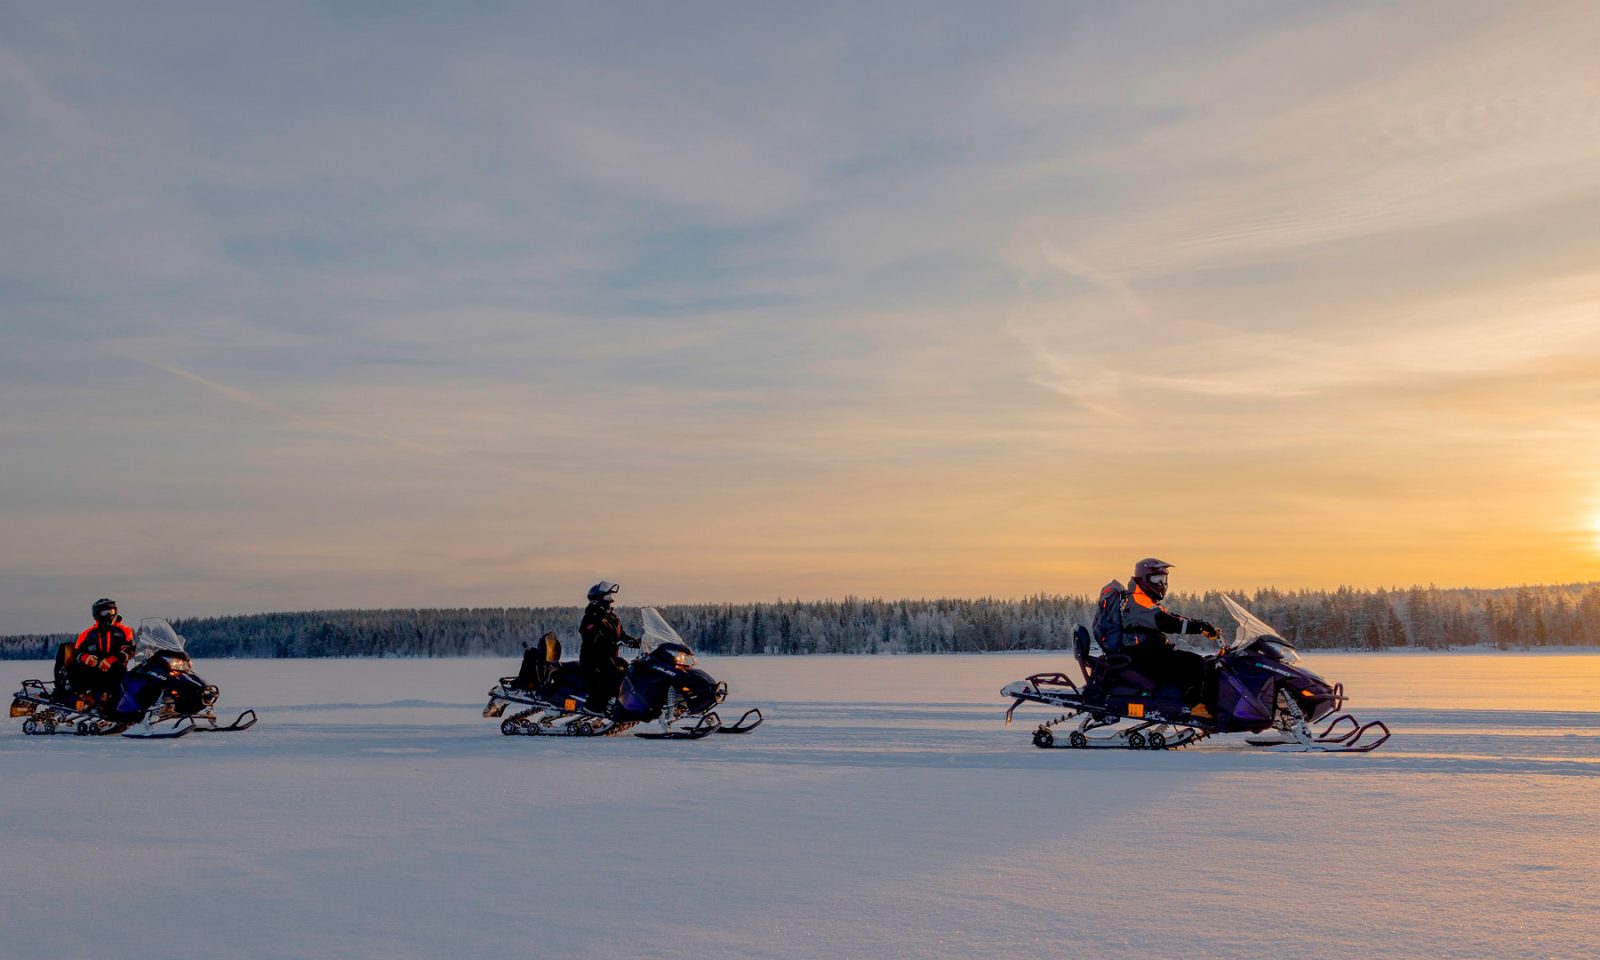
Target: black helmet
x,y
105,611
1150,575
602,592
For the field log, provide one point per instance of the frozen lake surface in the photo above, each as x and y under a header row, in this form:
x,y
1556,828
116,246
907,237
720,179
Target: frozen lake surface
x,y
882,811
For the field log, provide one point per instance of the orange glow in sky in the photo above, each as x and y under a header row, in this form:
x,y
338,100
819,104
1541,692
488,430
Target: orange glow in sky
x,y
723,311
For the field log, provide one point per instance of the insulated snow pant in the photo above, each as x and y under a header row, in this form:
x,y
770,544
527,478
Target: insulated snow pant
x,y
1165,663
605,678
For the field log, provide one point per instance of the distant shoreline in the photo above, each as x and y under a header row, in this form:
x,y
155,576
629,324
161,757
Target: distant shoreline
x,y
1559,617
1066,654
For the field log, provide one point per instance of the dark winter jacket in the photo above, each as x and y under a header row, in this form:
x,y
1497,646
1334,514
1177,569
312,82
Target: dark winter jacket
x,y
1144,621
113,643
601,631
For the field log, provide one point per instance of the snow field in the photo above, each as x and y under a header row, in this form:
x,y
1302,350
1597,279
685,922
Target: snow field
x,y
883,811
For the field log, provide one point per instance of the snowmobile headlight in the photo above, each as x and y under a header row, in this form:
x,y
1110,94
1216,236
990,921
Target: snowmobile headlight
x,y
178,666
1281,652
684,659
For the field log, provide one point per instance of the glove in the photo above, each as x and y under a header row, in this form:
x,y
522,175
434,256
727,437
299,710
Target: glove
x,y
1206,629
107,663
90,660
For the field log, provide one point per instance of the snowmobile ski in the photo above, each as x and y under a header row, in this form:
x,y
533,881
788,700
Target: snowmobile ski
x,y
745,724
1296,737
239,723
704,726
182,727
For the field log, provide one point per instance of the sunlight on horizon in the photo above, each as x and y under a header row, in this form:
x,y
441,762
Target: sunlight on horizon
x,y
728,308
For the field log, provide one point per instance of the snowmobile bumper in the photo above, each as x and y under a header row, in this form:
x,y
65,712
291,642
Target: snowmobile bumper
x,y
1050,689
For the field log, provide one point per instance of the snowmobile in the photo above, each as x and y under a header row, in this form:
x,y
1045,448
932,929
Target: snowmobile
x,y
1260,689
661,686
160,697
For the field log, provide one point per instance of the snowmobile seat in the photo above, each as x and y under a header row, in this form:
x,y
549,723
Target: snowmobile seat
x,y
1115,673
539,662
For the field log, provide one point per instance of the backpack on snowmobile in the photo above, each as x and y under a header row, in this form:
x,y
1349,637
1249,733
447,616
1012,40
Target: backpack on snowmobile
x,y
1108,617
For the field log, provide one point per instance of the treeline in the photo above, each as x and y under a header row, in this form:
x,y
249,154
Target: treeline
x,y
1427,618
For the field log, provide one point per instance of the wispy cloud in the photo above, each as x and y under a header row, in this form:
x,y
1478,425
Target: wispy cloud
x,y
282,413
774,300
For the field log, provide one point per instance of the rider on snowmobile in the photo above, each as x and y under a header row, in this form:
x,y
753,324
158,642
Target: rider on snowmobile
x,y
602,633
1145,624
101,653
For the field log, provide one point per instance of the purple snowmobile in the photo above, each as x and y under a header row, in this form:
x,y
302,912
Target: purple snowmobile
x,y
1261,688
661,687
160,697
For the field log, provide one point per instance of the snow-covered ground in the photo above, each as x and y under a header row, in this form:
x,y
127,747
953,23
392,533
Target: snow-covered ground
x,y
883,811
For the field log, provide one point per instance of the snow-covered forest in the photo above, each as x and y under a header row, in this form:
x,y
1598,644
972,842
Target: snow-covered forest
x,y
1430,618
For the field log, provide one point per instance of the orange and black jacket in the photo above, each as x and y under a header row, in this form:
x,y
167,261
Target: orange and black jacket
x,y
1144,620
601,631
113,643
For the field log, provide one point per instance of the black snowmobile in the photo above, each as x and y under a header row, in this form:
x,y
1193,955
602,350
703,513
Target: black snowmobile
x,y
1260,689
160,696
661,686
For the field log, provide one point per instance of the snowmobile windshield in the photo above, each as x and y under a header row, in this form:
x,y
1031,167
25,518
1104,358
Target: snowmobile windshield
x,y
1251,629
155,636
657,631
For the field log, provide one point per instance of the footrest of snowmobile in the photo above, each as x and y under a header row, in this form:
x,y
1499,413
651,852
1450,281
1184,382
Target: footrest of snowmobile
x,y
745,724
704,727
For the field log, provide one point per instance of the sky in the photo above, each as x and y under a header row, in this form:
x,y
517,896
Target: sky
x,y
380,304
